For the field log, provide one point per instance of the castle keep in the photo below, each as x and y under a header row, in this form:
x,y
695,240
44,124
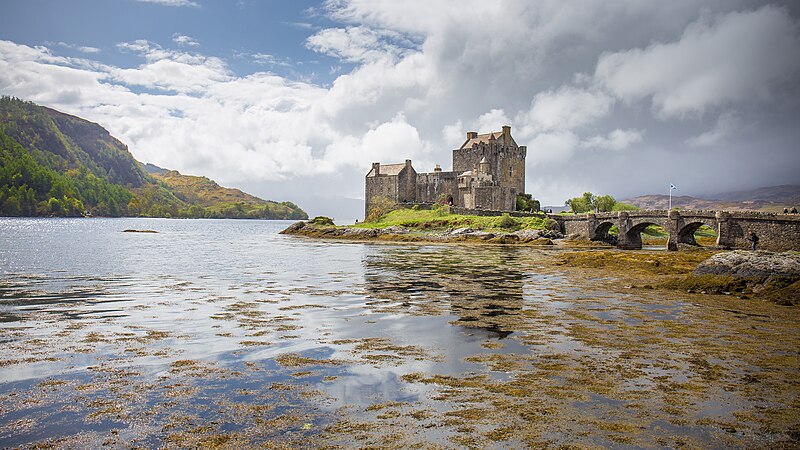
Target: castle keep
x,y
488,173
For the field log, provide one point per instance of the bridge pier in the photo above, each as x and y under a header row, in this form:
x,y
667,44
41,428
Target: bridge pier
x,y
725,237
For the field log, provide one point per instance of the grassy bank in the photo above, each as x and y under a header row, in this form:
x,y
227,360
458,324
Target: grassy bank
x,y
442,219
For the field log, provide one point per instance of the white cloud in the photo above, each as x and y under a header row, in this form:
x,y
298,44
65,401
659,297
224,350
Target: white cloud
x,y
551,148
616,140
170,70
727,124
566,108
172,2
412,77
491,121
268,60
80,48
735,57
357,44
390,142
184,41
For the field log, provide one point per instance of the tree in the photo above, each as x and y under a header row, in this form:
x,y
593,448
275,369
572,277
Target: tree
x,y
604,203
526,202
590,202
580,205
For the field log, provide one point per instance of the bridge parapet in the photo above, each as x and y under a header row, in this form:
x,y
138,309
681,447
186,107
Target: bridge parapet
x,y
777,232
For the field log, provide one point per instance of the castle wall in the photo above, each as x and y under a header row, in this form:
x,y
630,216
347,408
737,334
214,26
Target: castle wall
x,y
380,186
506,165
407,185
430,186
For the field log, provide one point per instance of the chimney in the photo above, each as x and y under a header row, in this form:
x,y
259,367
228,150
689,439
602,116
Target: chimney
x,y
438,168
507,134
408,163
472,134
377,168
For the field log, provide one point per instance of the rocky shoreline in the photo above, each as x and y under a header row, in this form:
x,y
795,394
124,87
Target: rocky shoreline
x,y
744,274
402,234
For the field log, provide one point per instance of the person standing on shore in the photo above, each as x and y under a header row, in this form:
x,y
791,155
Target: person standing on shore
x,y
754,239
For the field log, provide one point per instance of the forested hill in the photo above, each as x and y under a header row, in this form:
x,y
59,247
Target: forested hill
x,y
55,164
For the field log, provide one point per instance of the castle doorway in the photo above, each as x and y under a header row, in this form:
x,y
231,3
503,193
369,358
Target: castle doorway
x,y
450,200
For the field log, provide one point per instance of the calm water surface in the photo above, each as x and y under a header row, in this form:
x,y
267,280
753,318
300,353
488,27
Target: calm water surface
x,y
221,332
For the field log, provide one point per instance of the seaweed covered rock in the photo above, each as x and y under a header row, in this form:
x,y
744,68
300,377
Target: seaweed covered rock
x,y
756,266
769,276
293,228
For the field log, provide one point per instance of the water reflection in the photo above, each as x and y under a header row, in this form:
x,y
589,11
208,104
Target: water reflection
x,y
477,286
226,333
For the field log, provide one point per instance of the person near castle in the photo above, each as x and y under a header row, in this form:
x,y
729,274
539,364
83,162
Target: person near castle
x,y
754,239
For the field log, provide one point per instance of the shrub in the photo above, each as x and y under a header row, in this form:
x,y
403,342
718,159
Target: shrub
x,y
322,220
507,221
551,224
379,207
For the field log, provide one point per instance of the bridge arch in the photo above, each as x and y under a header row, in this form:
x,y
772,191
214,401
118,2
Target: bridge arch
x,y
633,236
687,230
601,233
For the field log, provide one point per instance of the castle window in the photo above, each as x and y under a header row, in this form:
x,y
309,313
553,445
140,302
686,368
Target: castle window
x,y
510,171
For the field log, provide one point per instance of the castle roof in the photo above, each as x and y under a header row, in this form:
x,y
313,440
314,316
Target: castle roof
x,y
486,138
388,169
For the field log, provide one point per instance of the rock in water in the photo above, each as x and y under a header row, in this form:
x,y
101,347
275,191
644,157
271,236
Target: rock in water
x,y
757,266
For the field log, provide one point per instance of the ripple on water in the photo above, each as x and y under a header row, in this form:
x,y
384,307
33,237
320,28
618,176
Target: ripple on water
x,y
226,333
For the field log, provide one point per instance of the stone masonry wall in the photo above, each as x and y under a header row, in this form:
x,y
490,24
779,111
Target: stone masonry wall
x,y
380,186
430,186
776,232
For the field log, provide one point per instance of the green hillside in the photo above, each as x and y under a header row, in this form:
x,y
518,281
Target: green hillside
x,y
54,164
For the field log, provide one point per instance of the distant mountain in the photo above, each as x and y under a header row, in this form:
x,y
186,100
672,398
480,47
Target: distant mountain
x,y
773,199
221,201
787,194
55,164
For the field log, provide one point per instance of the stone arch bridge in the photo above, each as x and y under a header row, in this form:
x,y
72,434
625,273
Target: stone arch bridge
x,y
776,232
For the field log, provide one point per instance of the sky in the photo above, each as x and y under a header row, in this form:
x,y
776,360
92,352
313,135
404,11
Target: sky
x,y
295,100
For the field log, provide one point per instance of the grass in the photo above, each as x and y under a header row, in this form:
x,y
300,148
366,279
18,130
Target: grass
x,y
441,219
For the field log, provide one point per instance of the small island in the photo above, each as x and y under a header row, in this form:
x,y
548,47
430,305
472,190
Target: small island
x,y
439,224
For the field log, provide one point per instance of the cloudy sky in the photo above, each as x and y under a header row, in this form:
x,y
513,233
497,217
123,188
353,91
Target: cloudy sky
x,y
294,100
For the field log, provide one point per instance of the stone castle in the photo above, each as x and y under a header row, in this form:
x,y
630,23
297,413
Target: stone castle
x,y
488,173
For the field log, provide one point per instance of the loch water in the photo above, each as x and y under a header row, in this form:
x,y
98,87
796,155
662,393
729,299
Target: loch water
x,y
226,333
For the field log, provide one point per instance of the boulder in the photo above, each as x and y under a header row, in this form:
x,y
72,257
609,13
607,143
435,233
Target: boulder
x,y
750,265
528,235
359,232
459,231
294,227
551,234
394,230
